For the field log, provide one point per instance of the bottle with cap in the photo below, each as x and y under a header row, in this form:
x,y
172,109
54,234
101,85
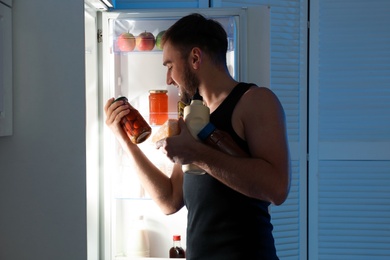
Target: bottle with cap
x,y
196,116
176,251
220,140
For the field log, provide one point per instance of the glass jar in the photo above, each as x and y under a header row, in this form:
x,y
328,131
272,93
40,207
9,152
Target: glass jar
x,y
158,107
135,126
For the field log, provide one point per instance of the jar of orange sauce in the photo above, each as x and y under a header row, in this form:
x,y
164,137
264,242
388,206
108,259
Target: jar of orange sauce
x,y
158,107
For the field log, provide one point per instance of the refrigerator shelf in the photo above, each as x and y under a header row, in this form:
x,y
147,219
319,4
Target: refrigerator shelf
x,y
136,52
132,199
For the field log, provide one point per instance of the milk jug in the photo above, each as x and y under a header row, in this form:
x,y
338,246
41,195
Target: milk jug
x,y
196,117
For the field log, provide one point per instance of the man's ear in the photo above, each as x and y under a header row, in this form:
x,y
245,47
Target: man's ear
x,y
196,57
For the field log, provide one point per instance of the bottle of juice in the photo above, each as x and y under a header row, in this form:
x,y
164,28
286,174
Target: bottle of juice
x,y
220,140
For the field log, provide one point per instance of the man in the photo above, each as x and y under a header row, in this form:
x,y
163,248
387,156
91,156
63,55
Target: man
x,y
227,207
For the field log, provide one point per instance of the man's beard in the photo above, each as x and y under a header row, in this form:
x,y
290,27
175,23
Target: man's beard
x,y
191,84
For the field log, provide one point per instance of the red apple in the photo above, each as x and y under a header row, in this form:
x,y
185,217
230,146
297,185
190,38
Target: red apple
x,y
126,42
145,41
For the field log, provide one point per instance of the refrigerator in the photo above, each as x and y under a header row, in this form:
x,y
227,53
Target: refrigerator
x,y
123,222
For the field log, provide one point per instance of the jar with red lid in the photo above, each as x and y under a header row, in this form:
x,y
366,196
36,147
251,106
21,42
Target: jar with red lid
x,y
158,107
135,126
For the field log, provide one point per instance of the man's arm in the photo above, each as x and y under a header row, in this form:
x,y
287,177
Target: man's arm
x,y
259,119
165,191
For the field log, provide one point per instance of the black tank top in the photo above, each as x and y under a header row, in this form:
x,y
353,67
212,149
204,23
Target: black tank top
x,y
222,223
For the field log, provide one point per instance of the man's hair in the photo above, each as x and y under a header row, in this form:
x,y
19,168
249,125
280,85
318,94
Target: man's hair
x,y
195,30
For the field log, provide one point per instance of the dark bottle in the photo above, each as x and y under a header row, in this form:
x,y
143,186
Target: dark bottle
x,y
135,126
176,250
220,140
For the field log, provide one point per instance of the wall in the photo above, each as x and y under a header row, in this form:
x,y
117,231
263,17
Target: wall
x,y
42,165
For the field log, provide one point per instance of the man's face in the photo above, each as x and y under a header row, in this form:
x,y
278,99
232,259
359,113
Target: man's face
x,y
180,72
191,80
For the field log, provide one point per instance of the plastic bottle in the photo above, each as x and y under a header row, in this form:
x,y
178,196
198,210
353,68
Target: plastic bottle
x,y
220,140
137,242
196,116
176,251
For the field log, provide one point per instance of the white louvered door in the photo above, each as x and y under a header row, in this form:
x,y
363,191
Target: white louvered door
x,y
349,136
288,81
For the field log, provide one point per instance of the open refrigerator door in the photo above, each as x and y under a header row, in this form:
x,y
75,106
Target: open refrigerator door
x,y
134,71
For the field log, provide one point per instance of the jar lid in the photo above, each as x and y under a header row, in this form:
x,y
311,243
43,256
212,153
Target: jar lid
x,y
155,91
206,131
120,98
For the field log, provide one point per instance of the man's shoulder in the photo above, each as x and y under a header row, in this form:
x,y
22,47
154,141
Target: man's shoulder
x,y
255,93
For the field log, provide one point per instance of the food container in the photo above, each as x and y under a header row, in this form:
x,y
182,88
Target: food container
x,y
135,126
158,107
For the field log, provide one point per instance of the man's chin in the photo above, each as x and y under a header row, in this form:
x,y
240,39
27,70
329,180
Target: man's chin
x,y
185,97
